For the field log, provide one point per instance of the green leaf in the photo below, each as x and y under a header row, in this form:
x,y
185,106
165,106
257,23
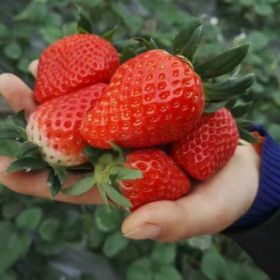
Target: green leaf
x,y
103,194
19,119
114,244
247,3
69,28
11,131
116,197
84,21
164,254
29,219
28,149
108,35
149,43
258,40
213,265
119,151
8,148
229,88
54,183
106,219
222,63
243,271
274,130
246,124
4,32
127,53
81,186
51,34
190,48
95,238
241,110
27,164
230,104
132,22
23,65
123,173
49,229
214,107
60,172
247,136
136,269
35,12
263,9
13,50
168,273
183,38
13,245
8,275
92,154
83,167
11,210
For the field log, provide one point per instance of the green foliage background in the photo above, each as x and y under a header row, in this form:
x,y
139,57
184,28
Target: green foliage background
x,y
41,239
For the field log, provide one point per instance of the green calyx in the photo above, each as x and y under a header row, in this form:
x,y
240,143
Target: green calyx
x,y
109,171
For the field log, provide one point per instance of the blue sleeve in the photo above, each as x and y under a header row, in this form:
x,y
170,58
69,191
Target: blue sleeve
x,y
267,201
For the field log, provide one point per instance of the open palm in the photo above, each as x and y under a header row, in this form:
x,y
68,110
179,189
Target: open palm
x,y
211,207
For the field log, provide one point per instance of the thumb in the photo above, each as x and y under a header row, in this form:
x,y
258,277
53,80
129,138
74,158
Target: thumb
x,y
211,207
169,221
157,221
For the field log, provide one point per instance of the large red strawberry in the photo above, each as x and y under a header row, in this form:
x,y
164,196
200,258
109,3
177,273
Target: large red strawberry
x,y
54,126
209,146
162,178
153,98
74,62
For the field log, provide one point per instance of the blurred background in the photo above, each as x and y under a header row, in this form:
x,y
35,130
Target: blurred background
x,y
43,240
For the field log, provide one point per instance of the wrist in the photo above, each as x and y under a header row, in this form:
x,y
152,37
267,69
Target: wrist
x,y
267,199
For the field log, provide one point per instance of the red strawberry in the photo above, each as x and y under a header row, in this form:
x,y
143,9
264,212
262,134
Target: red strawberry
x,y
162,178
74,62
153,98
54,126
209,146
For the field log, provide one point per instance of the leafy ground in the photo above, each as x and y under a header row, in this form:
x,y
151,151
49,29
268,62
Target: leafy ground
x,y
48,240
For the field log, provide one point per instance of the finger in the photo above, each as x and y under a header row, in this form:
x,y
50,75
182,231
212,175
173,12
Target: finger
x,y
17,94
33,67
35,184
209,209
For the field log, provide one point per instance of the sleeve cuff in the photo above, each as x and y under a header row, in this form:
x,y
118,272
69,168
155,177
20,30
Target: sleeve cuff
x,y
267,201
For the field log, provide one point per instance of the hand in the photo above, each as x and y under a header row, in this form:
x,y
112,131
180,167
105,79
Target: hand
x,y
20,97
211,207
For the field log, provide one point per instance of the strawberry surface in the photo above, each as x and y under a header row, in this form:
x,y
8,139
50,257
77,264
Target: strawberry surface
x,y
153,98
54,126
74,62
209,146
162,178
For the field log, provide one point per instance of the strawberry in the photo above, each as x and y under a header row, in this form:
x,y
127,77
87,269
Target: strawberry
x,y
74,62
54,126
153,98
209,146
162,178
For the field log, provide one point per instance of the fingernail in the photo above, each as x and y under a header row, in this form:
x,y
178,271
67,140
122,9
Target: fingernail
x,y
144,232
